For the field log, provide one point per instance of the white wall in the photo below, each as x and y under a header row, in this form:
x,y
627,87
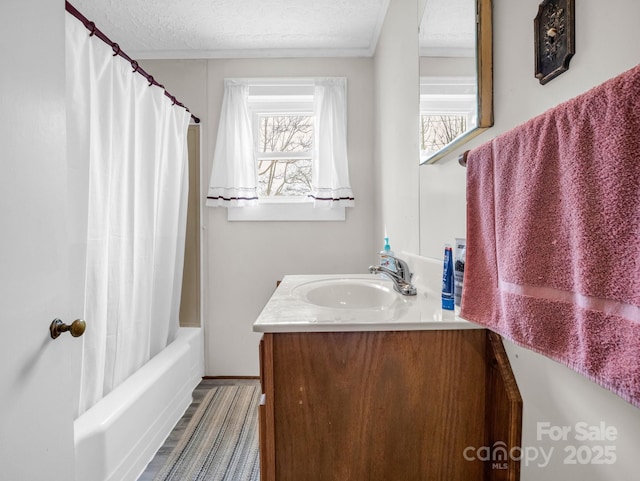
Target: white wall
x,y
447,66
397,113
607,36
243,260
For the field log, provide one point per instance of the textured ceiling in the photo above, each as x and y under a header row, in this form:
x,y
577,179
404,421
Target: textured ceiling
x,y
270,28
448,28
238,28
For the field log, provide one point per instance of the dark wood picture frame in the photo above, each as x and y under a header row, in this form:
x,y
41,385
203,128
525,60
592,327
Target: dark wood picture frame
x,y
554,29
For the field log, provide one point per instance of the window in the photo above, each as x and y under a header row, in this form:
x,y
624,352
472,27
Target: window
x,y
448,109
284,155
283,132
284,150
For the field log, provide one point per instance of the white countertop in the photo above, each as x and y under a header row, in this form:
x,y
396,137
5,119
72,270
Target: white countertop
x,y
286,312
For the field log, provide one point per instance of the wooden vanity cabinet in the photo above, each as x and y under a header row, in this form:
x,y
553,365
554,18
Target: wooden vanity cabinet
x,y
386,406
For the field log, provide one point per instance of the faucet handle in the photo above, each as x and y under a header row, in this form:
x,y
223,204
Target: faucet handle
x,y
401,267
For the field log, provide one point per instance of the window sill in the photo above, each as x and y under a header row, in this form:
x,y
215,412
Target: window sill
x,y
285,212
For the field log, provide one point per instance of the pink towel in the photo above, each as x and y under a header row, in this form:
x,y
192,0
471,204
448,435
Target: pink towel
x,y
553,235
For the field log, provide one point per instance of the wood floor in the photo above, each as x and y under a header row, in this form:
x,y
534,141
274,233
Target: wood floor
x,y
198,394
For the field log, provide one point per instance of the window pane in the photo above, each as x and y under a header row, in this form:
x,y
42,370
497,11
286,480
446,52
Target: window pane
x,y
285,133
284,177
436,131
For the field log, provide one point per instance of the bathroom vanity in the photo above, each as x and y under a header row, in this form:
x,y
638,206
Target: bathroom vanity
x,y
361,383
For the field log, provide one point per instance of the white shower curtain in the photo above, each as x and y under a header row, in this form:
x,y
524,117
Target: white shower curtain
x,y
134,142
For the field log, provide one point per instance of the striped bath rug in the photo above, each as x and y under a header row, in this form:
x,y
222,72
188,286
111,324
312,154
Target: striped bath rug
x,y
220,443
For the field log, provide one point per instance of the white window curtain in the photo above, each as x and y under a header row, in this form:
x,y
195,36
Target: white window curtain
x,y
234,176
330,171
132,142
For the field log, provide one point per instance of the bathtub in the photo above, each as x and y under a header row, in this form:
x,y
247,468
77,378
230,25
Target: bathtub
x,y
116,438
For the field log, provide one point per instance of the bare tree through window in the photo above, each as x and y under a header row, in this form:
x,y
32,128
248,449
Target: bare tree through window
x,y
437,131
284,155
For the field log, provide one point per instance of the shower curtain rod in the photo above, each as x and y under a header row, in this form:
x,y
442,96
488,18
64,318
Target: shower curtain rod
x,y
117,51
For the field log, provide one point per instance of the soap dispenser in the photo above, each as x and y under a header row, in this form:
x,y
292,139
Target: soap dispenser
x,y
385,261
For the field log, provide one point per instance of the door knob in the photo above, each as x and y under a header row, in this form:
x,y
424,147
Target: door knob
x,y
76,329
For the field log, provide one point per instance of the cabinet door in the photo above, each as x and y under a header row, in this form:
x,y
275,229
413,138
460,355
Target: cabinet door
x,y
504,413
378,406
265,410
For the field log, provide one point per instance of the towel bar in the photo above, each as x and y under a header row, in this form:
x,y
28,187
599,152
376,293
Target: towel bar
x,y
462,158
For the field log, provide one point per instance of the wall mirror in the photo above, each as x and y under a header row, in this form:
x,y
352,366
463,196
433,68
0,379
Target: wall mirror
x,y
456,75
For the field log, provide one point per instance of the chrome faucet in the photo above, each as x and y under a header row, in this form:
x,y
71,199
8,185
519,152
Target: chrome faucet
x,y
401,277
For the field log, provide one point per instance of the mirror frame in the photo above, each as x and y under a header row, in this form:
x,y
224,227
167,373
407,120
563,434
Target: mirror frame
x,y
484,67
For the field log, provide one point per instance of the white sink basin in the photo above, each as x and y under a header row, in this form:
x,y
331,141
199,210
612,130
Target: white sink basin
x,y
348,293
354,302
